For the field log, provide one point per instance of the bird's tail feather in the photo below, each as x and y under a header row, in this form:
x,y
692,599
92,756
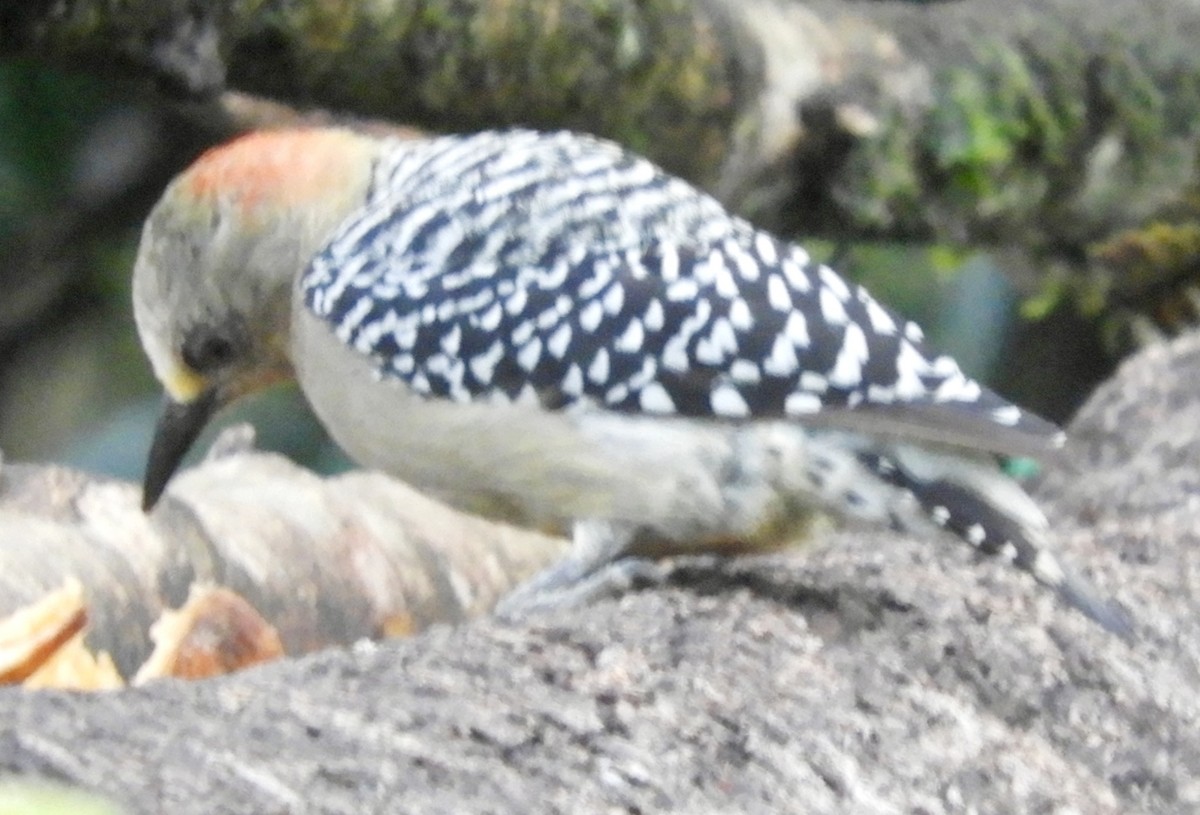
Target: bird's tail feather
x,y
972,498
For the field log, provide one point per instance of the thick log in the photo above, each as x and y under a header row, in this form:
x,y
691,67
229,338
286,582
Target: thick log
x,y
325,560
878,674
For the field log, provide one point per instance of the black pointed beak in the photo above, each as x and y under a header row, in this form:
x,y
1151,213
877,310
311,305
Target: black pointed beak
x,y
178,426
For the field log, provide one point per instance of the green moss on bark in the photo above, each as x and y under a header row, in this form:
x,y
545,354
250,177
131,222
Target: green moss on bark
x,y
1066,147
655,75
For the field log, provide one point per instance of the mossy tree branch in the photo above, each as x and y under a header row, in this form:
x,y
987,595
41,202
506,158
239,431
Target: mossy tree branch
x,y
1059,127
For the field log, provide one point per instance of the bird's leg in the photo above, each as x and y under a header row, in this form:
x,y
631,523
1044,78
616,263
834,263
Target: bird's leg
x,y
598,565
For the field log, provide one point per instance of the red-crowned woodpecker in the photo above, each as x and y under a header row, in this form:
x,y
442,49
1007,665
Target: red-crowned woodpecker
x,y
547,328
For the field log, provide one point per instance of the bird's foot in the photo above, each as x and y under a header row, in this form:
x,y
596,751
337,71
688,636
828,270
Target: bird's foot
x,y
558,588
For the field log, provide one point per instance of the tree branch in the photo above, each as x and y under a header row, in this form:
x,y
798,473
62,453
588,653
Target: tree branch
x,y
880,673
1052,125
326,561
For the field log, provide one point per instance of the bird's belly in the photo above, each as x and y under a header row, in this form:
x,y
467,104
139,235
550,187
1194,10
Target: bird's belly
x,y
515,463
682,480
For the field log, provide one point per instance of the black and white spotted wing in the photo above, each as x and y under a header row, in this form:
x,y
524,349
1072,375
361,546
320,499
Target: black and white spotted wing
x,y
557,269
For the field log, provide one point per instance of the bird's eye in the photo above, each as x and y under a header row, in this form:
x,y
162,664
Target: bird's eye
x,y
206,352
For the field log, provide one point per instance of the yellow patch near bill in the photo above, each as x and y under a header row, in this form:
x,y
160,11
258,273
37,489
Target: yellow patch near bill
x,y
183,385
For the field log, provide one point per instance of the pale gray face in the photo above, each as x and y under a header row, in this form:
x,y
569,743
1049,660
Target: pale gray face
x,y
212,286
212,296
212,299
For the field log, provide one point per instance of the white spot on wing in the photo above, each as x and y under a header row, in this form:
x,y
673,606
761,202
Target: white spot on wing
x,y
598,370
847,370
739,315
796,330
958,389
614,298
555,277
452,340
523,332
403,364
726,401
655,399
725,284
1008,415
530,354
796,277
747,265
516,304
976,534
802,404
559,340
910,366
632,338
490,320
833,281
783,361
669,266
590,317
572,384
813,382
547,318
745,371
592,286
655,318
777,294
708,352
675,356
831,307
682,290
764,244
644,377
635,266
723,335
483,366
437,364
881,321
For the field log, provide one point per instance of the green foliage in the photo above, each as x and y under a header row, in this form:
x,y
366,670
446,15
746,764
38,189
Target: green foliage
x,y
42,115
648,73
1054,293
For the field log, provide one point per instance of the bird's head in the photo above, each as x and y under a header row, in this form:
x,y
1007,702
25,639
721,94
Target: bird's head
x,y
217,264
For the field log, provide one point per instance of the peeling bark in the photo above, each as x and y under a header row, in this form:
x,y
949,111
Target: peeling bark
x,y
325,560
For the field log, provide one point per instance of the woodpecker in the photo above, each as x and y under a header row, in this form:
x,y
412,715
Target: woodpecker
x,y
551,330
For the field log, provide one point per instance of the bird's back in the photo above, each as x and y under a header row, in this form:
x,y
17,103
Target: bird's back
x,y
557,269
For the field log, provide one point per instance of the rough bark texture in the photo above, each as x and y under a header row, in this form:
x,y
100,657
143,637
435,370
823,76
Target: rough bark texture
x,y
326,561
879,674
876,675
